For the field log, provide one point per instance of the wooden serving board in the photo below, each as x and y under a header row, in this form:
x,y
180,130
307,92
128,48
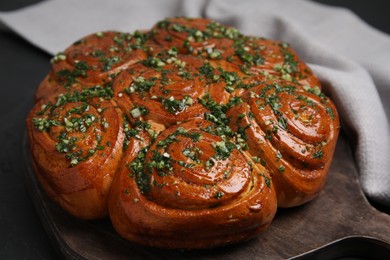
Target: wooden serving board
x,y
340,222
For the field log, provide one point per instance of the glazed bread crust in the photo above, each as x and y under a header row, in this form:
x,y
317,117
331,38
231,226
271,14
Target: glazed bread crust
x,y
189,135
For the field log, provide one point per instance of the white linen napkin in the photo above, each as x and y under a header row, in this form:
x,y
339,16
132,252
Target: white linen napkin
x,y
350,57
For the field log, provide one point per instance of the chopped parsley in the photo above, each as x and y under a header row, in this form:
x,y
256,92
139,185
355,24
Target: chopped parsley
x,y
137,168
330,112
223,149
266,179
140,84
69,77
109,62
218,195
44,124
317,155
194,136
206,70
174,106
153,62
282,121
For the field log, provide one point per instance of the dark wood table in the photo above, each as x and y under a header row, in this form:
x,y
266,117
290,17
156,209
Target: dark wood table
x,y
22,234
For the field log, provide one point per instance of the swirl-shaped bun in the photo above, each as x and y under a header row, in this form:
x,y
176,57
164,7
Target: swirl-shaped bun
x,y
76,145
188,135
92,60
164,95
293,133
191,190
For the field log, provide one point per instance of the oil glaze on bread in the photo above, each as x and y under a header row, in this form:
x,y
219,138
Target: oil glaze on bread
x,y
189,135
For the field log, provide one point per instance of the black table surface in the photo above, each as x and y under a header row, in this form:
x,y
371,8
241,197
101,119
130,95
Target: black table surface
x,y
22,67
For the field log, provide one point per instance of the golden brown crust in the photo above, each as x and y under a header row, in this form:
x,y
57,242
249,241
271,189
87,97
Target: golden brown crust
x,y
293,133
77,157
156,97
206,130
190,205
90,61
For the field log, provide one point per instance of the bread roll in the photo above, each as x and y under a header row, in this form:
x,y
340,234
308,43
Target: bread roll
x,y
189,135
